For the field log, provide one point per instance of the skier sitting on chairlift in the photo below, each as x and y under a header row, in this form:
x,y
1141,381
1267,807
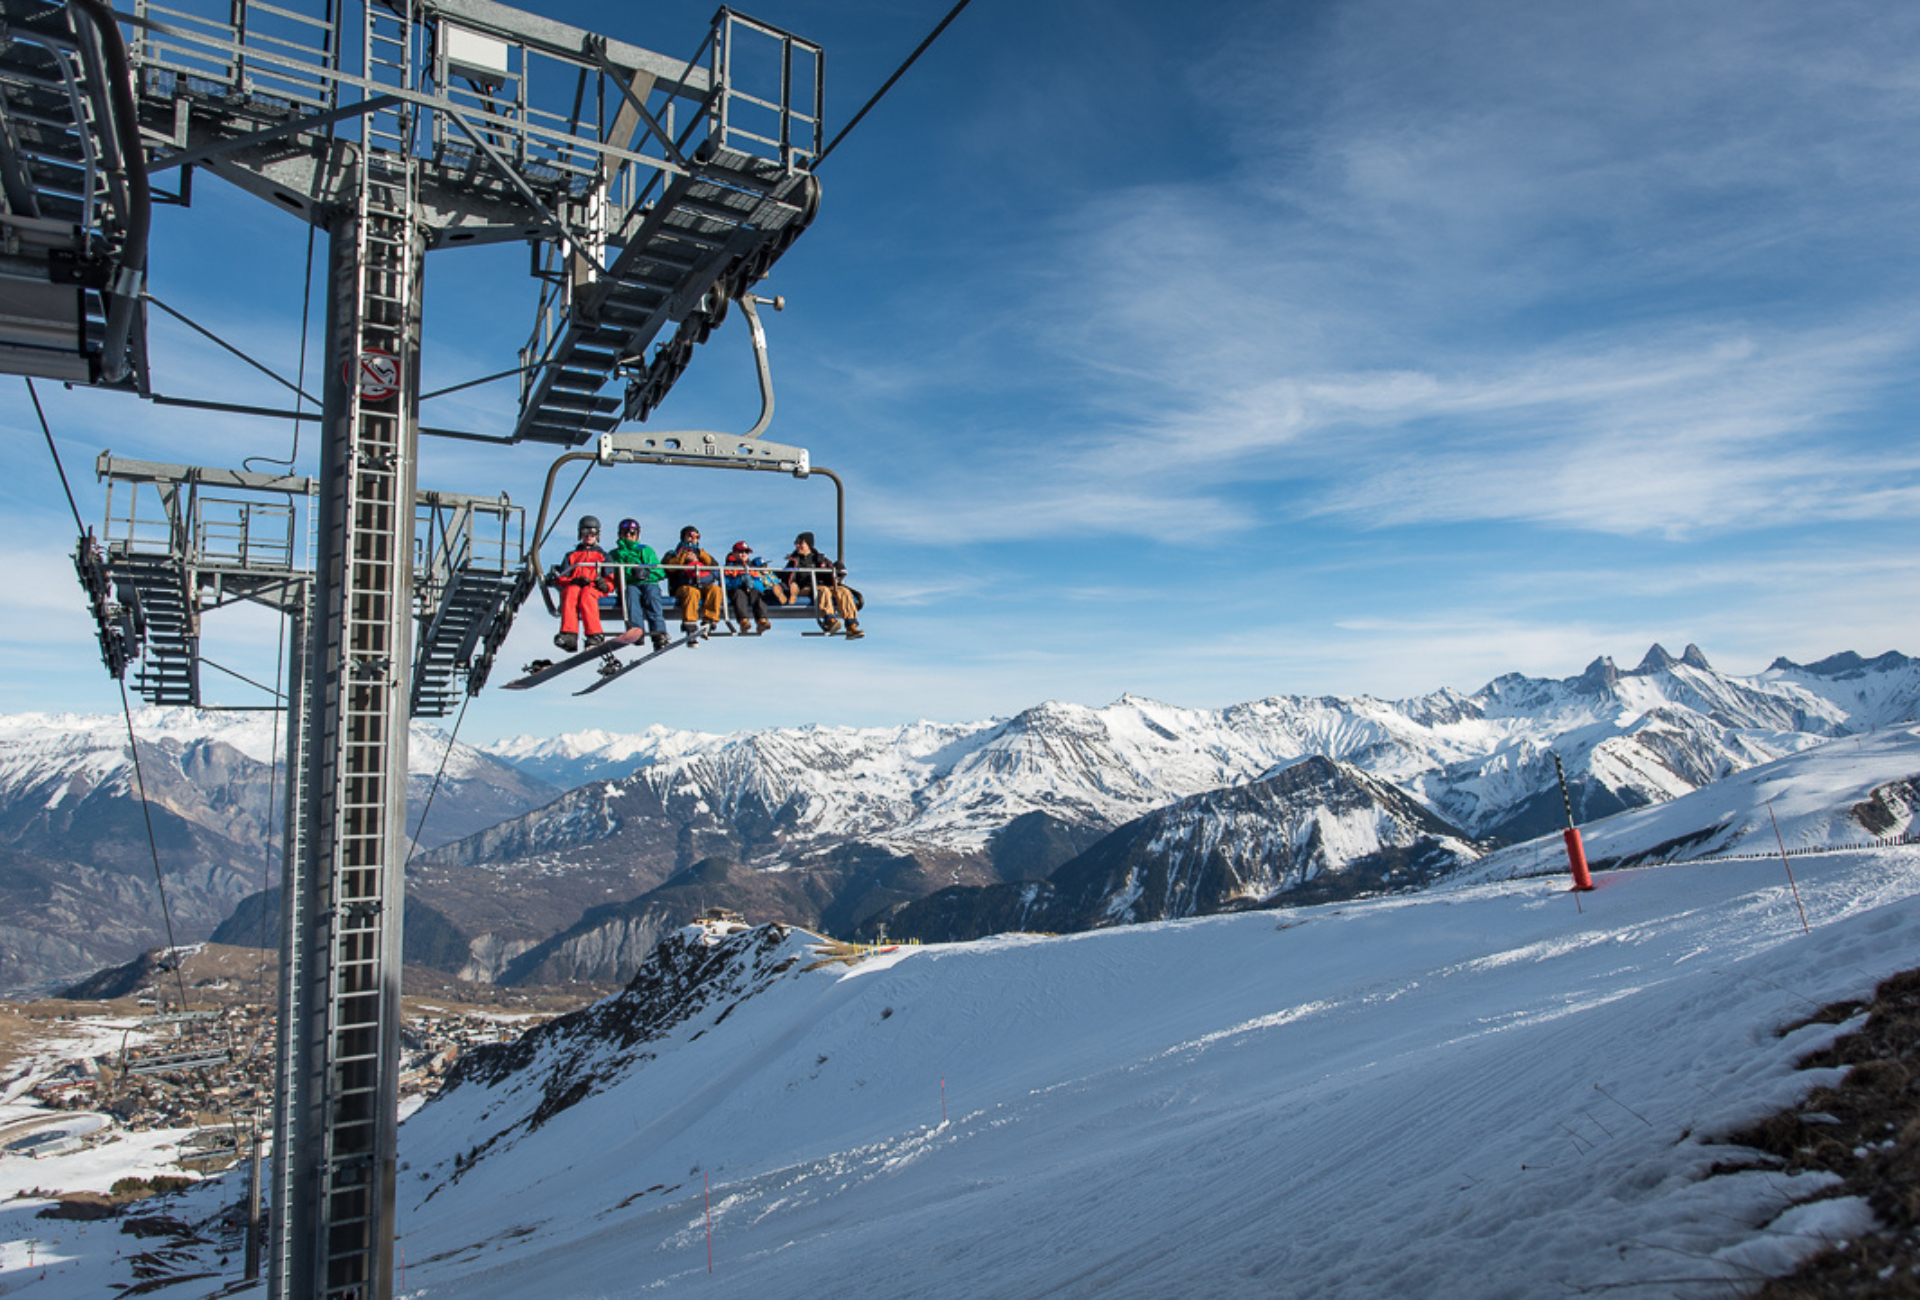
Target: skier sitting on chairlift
x,y
643,571
817,577
581,582
746,589
693,581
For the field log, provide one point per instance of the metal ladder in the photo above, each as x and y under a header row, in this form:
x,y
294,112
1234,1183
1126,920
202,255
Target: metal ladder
x,y
375,601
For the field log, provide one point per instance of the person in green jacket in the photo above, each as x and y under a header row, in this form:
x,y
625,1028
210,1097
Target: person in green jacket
x,y
641,569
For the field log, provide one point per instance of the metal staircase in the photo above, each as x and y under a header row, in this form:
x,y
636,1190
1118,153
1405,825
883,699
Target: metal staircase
x,y
469,580
74,205
448,643
714,230
708,240
169,614
183,540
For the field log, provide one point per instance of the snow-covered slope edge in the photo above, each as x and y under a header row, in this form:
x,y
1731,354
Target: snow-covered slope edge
x,y
1847,792
1470,1091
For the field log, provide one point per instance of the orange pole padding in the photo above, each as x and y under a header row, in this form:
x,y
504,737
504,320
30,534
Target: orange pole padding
x,y
1577,858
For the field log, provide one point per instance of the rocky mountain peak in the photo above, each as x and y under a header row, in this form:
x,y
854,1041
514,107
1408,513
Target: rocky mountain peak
x,y
1656,659
1599,675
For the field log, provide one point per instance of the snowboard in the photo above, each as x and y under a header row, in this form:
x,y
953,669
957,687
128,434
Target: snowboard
x,y
611,670
545,670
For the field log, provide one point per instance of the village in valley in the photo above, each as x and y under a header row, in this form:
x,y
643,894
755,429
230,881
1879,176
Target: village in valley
x,y
181,1088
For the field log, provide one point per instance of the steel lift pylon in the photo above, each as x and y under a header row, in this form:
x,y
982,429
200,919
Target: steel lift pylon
x,y
653,192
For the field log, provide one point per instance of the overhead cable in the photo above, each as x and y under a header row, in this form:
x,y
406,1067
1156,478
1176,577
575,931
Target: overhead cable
x,y
300,381
899,72
263,368
126,710
54,451
153,845
435,788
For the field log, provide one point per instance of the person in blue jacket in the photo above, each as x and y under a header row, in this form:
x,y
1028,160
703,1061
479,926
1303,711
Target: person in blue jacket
x,y
746,590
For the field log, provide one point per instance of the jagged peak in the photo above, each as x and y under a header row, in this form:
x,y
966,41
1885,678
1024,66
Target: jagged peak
x,y
1693,658
1656,659
1599,674
1847,663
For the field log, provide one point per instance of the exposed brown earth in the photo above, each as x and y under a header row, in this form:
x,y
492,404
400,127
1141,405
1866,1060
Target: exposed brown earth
x,y
1866,1130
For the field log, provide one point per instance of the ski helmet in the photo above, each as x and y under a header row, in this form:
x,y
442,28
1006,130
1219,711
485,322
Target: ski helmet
x,y
589,524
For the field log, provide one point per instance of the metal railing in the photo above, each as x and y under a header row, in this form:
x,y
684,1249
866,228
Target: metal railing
x,y
171,518
246,53
143,518
250,534
477,534
553,108
746,54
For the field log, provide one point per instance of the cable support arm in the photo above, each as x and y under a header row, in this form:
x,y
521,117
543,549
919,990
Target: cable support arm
x,y
107,45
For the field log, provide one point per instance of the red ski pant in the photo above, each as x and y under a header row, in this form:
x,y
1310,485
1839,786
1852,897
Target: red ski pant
x,y
580,606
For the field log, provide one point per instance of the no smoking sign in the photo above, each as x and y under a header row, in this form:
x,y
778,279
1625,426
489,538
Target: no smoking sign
x,y
376,373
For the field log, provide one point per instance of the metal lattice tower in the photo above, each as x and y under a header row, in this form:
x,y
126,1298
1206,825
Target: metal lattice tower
x,y
654,192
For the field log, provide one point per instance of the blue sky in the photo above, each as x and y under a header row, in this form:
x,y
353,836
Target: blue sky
x,y
1210,352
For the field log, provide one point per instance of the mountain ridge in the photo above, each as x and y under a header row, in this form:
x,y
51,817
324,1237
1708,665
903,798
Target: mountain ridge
x,y
940,794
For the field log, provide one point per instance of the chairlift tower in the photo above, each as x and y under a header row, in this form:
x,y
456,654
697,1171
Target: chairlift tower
x,y
653,192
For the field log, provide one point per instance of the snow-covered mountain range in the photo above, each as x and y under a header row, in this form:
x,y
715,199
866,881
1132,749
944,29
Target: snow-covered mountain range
x,y
1482,761
77,887
1014,801
844,828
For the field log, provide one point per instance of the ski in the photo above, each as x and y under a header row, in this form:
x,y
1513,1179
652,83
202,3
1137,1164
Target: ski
x,y
609,672
543,671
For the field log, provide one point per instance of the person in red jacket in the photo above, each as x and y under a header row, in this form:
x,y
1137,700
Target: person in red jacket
x,y
581,581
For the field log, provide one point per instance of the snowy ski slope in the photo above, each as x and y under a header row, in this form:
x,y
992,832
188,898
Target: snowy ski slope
x,y
1486,1091
1491,1089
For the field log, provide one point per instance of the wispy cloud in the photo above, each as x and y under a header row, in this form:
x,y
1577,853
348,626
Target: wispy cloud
x,y
1511,264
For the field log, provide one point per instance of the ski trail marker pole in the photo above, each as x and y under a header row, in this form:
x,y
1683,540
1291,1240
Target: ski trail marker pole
x,y
1791,883
1576,851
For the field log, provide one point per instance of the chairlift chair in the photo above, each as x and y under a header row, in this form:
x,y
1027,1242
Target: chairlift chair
x,y
688,449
